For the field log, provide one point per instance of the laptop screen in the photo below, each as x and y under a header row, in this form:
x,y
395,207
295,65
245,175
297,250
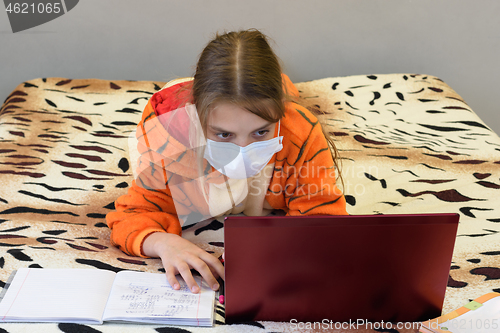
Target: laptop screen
x,y
340,268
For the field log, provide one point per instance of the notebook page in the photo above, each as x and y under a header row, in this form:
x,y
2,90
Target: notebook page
x,y
62,295
147,297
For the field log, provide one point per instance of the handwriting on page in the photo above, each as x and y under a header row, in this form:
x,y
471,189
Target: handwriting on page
x,y
158,301
148,297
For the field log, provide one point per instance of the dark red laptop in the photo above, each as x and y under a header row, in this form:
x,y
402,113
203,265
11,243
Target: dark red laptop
x,y
313,268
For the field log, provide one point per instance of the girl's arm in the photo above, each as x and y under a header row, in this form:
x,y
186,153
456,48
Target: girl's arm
x,y
145,224
317,192
138,214
304,180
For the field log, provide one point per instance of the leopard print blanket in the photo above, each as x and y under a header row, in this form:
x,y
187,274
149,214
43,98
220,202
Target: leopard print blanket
x,y
408,144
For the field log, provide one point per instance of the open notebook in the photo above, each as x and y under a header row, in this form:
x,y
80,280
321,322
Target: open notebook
x,y
93,296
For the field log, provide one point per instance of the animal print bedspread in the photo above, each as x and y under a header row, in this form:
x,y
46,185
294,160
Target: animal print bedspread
x,y
408,143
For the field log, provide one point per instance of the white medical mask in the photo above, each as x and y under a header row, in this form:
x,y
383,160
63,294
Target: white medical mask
x,y
242,162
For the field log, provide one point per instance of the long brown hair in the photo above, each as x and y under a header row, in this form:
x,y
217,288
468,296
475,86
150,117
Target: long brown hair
x,y
240,67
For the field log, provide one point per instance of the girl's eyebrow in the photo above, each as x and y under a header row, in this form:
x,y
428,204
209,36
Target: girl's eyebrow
x,y
218,129
263,127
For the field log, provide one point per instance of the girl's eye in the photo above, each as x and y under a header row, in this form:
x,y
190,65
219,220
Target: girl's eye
x,y
224,135
262,132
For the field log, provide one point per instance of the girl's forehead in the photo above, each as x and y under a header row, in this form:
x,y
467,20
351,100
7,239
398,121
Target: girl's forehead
x,y
231,117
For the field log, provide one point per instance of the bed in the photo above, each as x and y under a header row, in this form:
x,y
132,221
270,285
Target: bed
x,y
408,144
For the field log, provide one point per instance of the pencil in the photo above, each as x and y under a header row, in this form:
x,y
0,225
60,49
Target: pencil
x,y
221,285
221,291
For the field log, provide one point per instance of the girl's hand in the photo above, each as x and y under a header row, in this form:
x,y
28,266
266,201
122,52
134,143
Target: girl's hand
x,y
179,256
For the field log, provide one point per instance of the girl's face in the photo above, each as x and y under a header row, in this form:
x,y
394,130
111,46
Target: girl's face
x,y
230,123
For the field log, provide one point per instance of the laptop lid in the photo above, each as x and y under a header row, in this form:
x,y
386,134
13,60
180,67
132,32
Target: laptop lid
x,y
312,268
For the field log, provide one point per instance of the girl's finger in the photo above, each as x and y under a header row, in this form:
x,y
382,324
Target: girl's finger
x,y
214,264
170,273
185,272
206,273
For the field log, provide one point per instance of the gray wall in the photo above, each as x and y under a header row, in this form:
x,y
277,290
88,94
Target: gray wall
x,y
456,40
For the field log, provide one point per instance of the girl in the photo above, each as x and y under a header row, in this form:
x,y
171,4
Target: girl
x,y
262,152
